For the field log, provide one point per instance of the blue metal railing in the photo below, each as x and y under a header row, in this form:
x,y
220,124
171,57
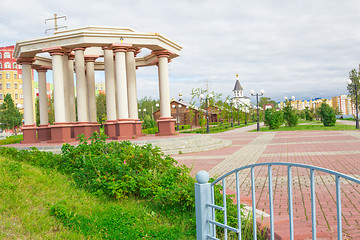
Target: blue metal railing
x,y
205,200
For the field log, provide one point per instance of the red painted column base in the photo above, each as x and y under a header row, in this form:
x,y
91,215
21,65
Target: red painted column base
x,y
166,127
110,128
29,134
137,128
44,133
124,130
61,133
85,128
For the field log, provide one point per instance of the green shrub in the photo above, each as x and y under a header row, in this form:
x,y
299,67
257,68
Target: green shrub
x,y
290,116
273,118
148,122
327,114
308,114
151,130
11,140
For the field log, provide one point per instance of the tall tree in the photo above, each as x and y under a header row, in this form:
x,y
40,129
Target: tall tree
x,y
10,117
101,108
354,76
266,100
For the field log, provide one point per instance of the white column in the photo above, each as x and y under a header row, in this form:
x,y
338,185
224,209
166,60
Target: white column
x,y
90,77
110,85
71,89
82,109
58,79
66,87
165,111
121,86
43,105
131,83
27,92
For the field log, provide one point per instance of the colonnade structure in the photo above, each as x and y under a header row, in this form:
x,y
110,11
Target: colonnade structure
x,y
83,51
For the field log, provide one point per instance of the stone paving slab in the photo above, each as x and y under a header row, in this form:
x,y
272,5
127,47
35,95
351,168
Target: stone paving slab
x,y
335,150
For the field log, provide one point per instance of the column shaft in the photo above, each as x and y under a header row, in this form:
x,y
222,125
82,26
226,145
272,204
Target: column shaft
x,y
164,87
66,87
90,77
81,88
131,84
121,86
27,92
58,78
43,105
70,79
110,85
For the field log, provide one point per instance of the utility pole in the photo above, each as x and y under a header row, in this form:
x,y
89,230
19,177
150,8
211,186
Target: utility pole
x,y
55,18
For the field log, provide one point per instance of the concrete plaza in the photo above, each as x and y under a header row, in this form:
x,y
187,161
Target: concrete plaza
x,y
335,150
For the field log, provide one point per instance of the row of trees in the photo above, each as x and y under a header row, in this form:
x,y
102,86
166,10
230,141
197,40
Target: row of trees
x,y
290,116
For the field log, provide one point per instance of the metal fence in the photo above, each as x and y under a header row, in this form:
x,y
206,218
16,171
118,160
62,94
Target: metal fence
x,y
205,200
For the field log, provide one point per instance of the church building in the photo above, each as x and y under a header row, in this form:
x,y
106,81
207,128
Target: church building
x,y
239,97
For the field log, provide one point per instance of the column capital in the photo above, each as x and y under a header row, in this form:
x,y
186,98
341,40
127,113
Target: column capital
x,y
162,53
55,50
90,58
120,47
23,60
41,69
79,48
71,56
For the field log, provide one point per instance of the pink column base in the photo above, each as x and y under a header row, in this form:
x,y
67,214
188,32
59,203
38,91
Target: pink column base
x,y
29,134
85,128
44,133
61,133
124,130
110,129
166,127
137,128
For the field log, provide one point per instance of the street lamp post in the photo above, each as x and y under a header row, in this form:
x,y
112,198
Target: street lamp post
x,y
177,115
257,105
206,98
246,109
238,105
231,111
351,83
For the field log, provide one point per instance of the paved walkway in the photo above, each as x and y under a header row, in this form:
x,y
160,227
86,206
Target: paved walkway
x,y
335,150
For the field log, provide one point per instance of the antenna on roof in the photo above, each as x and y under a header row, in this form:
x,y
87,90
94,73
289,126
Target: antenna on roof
x,y
55,18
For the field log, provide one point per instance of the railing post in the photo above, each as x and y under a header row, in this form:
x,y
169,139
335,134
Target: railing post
x,y
202,197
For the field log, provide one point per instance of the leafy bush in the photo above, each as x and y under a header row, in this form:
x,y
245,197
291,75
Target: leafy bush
x,y
290,116
273,118
148,122
308,114
150,130
327,114
11,140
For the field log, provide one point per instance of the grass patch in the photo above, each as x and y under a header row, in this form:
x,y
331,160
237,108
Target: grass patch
x,y
217,129
312,127
11,140
44,204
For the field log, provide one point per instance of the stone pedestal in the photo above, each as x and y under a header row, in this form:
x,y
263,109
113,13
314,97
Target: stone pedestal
x,y
137,128
110,129
85,128
61,133
44,132
124,130
166,126
29,134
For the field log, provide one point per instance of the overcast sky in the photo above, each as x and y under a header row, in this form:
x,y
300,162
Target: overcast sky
x,y
304,48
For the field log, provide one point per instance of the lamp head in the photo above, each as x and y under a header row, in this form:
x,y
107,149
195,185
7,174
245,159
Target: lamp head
x,y
201,96
173,106
293,98
262,91
211,95
252,92
349,81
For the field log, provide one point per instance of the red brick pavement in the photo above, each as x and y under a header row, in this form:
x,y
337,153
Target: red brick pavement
x,y
327,149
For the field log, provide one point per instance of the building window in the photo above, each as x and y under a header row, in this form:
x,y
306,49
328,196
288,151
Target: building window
x,y
7,75
0,55
0,65
20,66
21,96
0,85
20,86
14,65
8,85
1,96
20,76
0,75
15,85
16,96
7,65
6,55
15,75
